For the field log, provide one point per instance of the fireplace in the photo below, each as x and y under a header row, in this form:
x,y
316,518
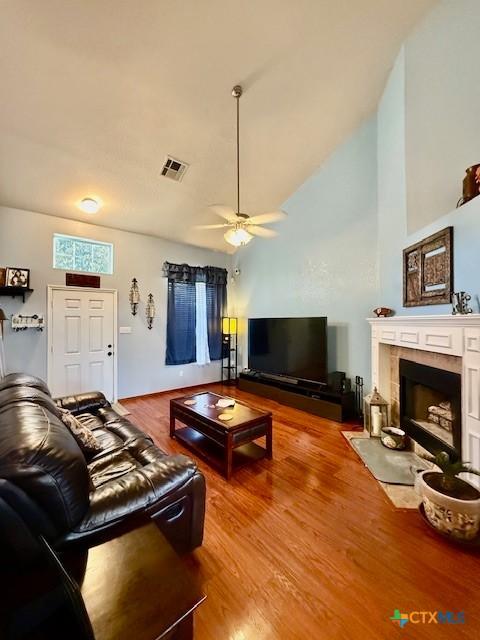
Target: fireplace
x,y
430,407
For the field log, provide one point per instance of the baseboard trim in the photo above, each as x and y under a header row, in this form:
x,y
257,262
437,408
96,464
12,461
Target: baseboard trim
x,y
162,393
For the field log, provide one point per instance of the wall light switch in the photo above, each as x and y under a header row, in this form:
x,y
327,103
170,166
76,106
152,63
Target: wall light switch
x,y
125,330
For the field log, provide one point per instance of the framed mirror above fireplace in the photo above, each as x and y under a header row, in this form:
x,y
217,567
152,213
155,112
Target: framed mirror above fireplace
x,y
431,407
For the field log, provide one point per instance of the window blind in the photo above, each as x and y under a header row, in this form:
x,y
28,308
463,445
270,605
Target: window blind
x,y
181,322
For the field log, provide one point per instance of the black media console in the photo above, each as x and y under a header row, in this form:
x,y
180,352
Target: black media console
x,y
316,399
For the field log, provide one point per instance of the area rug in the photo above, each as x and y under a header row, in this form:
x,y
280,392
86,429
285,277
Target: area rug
x,y
402,496
392,467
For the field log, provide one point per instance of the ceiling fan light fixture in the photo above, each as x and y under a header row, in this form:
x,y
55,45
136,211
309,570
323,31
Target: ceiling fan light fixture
x,y
238,237
243,227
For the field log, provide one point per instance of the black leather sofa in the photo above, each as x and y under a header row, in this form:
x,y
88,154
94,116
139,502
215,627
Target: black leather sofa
x,y
77,503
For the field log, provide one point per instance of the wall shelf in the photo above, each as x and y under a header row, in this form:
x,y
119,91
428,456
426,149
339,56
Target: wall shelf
x,y
15,292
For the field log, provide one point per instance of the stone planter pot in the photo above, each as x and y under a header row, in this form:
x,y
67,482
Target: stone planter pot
x,y
456,517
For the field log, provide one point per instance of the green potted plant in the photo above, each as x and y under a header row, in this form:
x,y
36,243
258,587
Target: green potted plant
x,y
451,504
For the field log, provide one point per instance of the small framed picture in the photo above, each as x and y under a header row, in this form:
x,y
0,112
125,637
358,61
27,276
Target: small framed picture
x,y
17,277
2,276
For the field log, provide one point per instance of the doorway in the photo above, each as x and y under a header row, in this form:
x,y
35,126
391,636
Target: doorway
x,y
82,329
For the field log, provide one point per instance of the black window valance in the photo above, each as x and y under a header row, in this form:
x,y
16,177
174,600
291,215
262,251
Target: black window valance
x,y
187,273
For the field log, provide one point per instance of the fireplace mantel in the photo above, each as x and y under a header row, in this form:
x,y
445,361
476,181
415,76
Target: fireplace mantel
x,y
466,320
446,334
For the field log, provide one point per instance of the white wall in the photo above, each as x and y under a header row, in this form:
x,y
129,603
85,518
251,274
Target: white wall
x,y
391,181
442,108
26,241
324,260
393,236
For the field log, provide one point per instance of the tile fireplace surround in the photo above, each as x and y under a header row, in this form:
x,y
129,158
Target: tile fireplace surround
x,y
443,341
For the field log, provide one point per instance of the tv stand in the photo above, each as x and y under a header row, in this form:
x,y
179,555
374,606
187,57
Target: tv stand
x,y
275,378
313,398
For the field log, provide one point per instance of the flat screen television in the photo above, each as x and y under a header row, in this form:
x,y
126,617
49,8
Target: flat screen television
x,y
292,347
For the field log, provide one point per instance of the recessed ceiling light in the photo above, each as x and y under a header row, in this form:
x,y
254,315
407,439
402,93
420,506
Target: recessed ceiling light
x,y
89,205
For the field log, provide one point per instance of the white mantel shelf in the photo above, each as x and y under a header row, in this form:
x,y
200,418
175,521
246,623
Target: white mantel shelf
x,y
448,334
458,336
466,320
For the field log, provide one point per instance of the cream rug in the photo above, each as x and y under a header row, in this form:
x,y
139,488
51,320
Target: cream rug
x,y
401,496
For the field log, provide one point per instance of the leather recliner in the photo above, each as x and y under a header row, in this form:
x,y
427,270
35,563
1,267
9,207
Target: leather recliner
x,y
78,502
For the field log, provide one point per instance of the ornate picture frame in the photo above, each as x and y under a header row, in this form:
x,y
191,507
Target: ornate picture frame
x,y
428,270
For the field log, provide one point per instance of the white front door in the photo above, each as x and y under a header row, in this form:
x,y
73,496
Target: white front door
x,y
82,341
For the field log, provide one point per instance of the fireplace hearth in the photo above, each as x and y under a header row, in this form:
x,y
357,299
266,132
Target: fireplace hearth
x,y
430,407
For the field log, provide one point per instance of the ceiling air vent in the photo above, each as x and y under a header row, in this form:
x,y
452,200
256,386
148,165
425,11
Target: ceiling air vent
x,y
174,169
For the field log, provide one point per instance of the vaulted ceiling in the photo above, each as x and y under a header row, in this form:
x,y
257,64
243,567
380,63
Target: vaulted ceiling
x,y
96,93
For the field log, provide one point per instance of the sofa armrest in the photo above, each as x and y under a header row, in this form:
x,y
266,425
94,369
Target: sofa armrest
x,y
89,402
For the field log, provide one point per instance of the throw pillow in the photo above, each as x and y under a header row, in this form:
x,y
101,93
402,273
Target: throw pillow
x,y
84,436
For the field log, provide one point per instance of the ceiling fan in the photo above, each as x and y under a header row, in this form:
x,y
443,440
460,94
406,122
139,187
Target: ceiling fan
x,y
242,227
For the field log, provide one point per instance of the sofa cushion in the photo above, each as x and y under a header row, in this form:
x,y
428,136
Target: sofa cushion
x,y
40,455
83,402
16,394
108,442
23,380
93,422
120,426
139,476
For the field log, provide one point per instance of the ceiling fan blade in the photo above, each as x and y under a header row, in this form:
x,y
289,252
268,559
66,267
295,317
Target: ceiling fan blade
x,y
222,225
267,218
260,231
224,211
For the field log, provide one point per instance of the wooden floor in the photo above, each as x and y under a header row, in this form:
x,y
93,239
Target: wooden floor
x,y
308,546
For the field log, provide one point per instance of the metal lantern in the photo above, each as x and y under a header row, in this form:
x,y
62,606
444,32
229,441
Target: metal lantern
x,y
134,296
375,413
150,311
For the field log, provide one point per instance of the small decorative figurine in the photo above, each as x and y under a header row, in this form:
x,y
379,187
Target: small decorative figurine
x,y
460,301
471,184
383,312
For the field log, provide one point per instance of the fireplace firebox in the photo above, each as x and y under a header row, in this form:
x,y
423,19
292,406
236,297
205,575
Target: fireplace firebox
x,y
430,407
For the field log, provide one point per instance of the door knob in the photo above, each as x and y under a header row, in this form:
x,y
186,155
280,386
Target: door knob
x,y
109,353
109,346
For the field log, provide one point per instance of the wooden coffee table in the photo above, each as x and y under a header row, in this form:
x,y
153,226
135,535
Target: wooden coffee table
x,y
224,445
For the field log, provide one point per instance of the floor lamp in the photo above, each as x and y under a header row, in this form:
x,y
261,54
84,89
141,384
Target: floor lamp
x,y
229,350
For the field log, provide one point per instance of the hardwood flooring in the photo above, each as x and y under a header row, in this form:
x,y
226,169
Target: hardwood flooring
x,y
308,546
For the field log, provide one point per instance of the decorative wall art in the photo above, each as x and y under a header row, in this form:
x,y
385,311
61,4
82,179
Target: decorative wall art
x,y
428,270
150,311
134,296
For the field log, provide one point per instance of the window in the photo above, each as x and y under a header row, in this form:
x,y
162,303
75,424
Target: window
x,y
197,300
181,322
80,254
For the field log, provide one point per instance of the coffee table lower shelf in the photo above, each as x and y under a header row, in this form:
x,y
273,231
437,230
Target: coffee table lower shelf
x,y
214,453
